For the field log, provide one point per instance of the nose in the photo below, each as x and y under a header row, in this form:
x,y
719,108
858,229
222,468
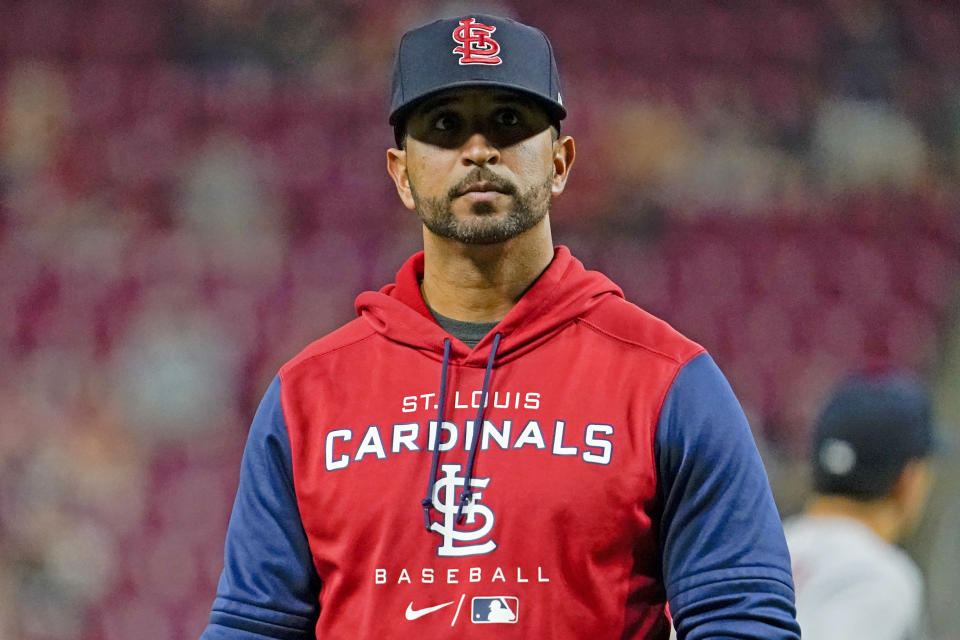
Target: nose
x,y
479,151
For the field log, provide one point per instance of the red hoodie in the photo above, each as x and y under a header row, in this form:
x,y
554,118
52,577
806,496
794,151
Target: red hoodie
x,y
569,530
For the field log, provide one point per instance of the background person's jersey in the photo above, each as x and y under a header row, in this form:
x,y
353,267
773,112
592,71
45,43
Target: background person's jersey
x,y
851,584
613,460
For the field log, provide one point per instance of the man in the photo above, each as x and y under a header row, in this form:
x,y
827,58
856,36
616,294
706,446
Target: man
x,y
499,438
871,476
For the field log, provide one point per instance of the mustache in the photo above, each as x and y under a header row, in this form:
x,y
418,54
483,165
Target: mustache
x,y
482,174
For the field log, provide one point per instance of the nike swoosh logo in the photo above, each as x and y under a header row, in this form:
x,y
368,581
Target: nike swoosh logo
x,y
413,614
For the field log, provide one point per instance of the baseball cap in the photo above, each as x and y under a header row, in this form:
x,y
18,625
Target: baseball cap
x,y
474,51
868,431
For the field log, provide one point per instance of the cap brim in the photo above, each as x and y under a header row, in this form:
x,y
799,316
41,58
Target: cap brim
x,y
556,110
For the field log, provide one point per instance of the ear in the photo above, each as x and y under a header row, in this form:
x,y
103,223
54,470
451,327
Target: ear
x,y
397,168
564,152
912,489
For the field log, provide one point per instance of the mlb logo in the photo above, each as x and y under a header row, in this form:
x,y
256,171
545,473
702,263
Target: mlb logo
x,y
494,610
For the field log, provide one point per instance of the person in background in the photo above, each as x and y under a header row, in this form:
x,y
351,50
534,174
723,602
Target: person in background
x,y
872,474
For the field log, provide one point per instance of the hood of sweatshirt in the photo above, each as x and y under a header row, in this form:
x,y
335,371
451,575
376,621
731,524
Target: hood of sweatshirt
x,y
564,291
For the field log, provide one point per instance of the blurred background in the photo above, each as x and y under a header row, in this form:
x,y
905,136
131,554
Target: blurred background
x,y
191,191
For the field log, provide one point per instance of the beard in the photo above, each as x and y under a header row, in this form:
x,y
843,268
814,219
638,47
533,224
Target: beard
x,y
484,226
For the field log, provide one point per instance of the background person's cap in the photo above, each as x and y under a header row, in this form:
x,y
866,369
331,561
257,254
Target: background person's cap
x,y
871,427
474,51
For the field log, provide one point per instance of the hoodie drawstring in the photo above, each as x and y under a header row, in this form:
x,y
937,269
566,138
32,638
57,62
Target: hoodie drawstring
x,y
477,426
467,493
427,502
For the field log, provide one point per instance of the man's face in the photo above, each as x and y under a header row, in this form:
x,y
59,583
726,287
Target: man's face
x,y
479,165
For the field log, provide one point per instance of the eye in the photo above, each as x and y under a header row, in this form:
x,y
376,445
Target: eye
x,y
445,122
507,117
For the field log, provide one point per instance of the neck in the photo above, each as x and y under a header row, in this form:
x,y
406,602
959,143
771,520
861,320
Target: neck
x,y
880,515
481,283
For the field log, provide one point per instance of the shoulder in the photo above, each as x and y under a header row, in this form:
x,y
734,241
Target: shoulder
x,y
837,549
899,568
353,335
848,580
627,323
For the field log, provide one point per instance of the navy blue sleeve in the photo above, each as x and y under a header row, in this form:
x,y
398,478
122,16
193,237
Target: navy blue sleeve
x,y
269,587
726,567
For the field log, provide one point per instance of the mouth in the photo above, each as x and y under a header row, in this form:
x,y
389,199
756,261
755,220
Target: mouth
x,y
482,187
483,191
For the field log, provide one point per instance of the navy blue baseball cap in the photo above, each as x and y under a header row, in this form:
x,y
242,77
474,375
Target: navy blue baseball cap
x,y
868,431
474,51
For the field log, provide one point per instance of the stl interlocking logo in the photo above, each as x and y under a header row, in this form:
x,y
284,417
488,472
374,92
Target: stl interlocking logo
x,y
476,44
456,541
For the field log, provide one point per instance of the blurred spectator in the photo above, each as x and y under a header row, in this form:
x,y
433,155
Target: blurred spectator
x,y
220,192
864,49
176,371
72,484
859,144
34,117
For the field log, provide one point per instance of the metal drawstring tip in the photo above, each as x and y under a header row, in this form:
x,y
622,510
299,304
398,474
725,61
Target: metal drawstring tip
x,y
464,499
426,513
